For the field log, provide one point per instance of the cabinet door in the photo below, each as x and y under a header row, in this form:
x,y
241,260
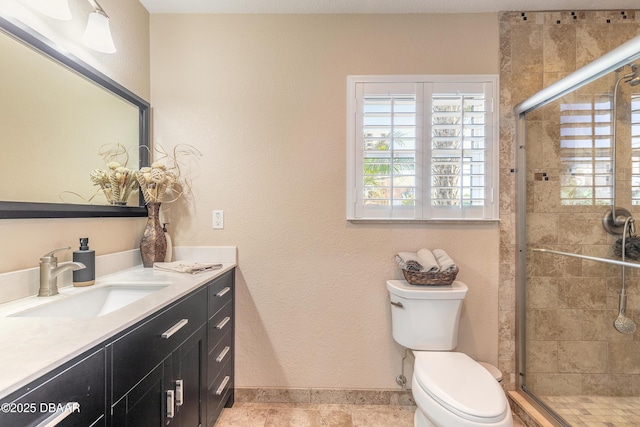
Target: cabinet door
x,y
190,379
72,396
150,342
146,403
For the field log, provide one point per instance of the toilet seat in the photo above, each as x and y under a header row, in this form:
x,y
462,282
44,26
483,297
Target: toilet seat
x,y
460,385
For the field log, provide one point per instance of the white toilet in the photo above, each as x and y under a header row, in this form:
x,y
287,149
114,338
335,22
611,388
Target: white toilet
x,y
450,388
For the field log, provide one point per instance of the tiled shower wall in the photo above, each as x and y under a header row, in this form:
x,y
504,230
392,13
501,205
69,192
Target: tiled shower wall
x,y
573,348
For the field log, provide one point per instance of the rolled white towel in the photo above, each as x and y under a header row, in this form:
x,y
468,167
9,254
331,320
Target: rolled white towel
x,y
409,261
428,261
444,261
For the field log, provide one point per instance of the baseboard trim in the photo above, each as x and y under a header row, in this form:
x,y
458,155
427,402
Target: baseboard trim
x,y
324,396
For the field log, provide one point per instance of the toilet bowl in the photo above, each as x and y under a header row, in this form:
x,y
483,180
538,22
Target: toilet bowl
x,y
450,388
453,390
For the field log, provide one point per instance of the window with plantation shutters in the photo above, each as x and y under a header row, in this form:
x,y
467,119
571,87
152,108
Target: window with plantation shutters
x,y
422,148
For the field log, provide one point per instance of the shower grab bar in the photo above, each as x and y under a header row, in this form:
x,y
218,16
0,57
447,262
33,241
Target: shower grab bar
x,y
590,258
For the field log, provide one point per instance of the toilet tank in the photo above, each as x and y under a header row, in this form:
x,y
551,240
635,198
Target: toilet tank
x,y
426,317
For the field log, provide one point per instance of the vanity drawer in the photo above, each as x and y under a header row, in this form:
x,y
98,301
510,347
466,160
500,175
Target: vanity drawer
x,y
219,392
146,345
219,325
79,388
219,356
220,292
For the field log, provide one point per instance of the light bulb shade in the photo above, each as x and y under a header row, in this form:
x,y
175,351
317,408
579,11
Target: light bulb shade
x,y
97,35
58,9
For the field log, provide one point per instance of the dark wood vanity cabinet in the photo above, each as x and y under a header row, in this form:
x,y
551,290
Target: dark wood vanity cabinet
x,y
174,368
158,368
72,395
220,345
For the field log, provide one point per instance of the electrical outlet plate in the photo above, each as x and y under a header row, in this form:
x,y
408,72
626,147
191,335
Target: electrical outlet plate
x,y
218,219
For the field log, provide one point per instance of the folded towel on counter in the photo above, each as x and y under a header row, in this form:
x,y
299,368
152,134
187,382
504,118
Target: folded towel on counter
x,y
428,261
408,261
186,267
444,261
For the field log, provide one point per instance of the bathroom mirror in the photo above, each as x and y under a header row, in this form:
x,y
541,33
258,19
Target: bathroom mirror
x,y
57,114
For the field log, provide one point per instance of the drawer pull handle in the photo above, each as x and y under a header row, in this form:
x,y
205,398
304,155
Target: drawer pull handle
x,y
224,291
175,328
179,392
223,384
223,353
62,413
170,402
224,322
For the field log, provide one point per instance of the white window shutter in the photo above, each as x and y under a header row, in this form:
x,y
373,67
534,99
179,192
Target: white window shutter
x,y
422,147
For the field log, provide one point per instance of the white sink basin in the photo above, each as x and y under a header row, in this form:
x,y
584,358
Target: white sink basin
x,y
92,303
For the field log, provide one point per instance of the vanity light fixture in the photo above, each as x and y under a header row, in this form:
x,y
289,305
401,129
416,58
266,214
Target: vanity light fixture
x,y
97,35
58,9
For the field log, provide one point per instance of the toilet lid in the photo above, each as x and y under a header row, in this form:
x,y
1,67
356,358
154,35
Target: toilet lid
x,y
461,385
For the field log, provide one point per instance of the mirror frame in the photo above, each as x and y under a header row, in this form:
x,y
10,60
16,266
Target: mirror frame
x,y
10,209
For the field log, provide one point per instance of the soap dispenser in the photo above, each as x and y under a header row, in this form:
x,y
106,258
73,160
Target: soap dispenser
x,y
85,276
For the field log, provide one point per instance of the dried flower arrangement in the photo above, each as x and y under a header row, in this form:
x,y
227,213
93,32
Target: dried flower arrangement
x,y
155,182
163,181
118,181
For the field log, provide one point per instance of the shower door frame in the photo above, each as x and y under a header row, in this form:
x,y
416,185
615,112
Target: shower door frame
x,y
618,57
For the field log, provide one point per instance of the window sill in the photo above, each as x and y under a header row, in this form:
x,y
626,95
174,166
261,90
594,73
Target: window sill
x,y
422,221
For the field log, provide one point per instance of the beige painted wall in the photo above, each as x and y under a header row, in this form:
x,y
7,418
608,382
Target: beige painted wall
x,y
264,99
25,241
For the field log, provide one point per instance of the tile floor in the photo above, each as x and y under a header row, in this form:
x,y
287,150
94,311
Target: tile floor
x,y
596,411
319,415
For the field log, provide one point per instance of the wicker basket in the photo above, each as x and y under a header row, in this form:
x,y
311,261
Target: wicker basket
x,y
430,279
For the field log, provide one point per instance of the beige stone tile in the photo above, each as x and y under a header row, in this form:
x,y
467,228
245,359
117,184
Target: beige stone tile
x,y
542,357
598,325
239,416
507,324
556,324
559,47
598,269
552,265
593,44
273,395
542,292
398,417
624,357
526,48
546,195
534,131
296,417
622,32
583,229
401,398
507,190
506,296
606,384
582,356
583,292
354,397
555,384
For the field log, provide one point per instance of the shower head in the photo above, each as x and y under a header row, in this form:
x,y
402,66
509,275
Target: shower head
x,y
634,76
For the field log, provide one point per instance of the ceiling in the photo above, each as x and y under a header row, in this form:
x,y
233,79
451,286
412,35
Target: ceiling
x,y
378,6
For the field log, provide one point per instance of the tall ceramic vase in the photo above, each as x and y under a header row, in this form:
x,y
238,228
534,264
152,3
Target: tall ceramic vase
x,y
153,246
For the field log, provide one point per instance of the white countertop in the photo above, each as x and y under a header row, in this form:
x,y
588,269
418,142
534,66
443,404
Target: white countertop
x,y
31,346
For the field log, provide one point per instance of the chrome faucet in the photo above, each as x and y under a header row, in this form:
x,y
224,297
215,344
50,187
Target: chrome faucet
x,y
49,271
